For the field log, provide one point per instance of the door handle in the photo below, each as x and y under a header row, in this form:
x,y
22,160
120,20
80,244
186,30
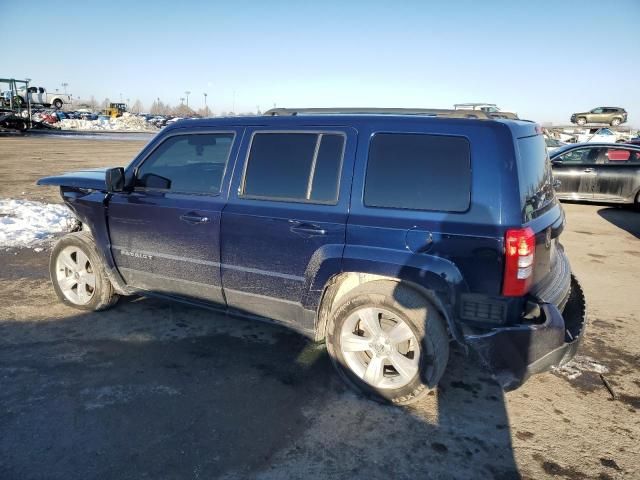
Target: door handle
x,y
193,218
306,228
589,170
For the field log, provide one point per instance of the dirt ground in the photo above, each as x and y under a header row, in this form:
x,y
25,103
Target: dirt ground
x,y
158,390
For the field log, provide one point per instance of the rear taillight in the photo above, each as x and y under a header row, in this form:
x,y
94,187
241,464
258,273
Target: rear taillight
x,y
520,247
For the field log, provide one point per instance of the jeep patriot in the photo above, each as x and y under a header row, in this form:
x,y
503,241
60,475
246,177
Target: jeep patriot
x,y
386,233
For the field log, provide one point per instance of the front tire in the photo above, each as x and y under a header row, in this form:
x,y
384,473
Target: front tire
x,y
78,275
388,341
582,121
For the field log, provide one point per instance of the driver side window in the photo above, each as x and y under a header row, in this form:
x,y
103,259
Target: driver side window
x,y
577,156
193,163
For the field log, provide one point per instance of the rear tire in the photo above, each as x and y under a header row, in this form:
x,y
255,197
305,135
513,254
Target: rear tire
x,y
615,122
405,358
581,121
57,104
77,274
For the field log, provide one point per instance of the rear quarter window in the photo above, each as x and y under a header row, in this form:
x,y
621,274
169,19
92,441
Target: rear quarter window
x,y
418,172
534,177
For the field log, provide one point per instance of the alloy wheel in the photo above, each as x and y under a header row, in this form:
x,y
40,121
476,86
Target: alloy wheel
x,y
380,348
75,276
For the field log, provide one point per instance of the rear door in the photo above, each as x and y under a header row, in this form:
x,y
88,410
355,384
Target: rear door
x,y
576,171
286,213
597,115
165,233
618,174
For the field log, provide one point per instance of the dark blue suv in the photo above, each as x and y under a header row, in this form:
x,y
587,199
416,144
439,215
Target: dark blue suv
x,y
386,234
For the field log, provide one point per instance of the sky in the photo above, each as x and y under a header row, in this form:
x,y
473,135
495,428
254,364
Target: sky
x,y
542,59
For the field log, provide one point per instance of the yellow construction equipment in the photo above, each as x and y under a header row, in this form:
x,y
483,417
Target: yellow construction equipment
x,y
115,109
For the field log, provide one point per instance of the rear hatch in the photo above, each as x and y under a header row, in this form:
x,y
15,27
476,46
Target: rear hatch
x,y
543,215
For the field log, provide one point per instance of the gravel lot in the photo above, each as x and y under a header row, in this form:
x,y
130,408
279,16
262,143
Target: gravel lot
x,y
157,390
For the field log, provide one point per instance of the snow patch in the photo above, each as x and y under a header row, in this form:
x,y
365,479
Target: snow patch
x,y
580,364
25,224
125,122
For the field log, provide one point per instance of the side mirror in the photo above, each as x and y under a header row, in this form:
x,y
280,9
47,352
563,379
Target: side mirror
x,y
556,162
114,178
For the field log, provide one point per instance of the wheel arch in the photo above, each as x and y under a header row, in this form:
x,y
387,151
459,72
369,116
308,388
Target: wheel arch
x,y
437,279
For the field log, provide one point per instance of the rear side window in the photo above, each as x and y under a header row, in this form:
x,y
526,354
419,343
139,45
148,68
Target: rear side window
x,y
294,166
418,172
534,176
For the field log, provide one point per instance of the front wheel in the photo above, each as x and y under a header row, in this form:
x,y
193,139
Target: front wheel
x,y
582,121
388,341
77,274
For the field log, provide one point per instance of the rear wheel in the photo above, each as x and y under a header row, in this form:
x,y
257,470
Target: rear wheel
x,y
615,122
387,341
582,121
57,104
77,274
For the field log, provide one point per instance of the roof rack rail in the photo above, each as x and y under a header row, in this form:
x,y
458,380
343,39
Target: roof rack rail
x,y
431,112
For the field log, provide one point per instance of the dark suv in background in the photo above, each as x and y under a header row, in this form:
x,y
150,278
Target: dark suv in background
x,y
613,116
386,234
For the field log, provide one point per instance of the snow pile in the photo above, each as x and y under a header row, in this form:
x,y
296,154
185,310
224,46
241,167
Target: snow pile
x,y
126,122
26,224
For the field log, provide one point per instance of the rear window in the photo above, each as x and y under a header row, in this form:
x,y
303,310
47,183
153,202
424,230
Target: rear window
x,y
418,172
534,177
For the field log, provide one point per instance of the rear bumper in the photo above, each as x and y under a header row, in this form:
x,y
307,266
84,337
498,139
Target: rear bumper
x,y
515,353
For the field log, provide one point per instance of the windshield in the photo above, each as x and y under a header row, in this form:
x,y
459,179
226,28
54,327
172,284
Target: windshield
x,y
534,177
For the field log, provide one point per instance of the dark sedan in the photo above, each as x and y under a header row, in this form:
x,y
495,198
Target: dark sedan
x,y
599,172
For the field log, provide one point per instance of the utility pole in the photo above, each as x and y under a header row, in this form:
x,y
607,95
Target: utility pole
x,y
182,101
65,85
187,92
206,109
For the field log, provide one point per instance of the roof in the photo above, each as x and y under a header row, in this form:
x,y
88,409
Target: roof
x,y
520,128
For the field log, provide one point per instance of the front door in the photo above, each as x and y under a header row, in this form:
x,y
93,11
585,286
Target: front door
x,y
165,233
286,214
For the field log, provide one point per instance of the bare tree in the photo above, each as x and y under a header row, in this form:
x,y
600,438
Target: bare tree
x,y
159,108
182,111
137,106
105,103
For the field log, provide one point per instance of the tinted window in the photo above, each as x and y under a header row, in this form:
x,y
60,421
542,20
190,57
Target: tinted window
x,y
324,186
295,166
418,172
534,176
187,164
